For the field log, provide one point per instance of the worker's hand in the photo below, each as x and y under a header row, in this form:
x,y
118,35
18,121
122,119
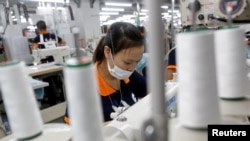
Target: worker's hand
x,y
62,43
119,110
106,123
34,46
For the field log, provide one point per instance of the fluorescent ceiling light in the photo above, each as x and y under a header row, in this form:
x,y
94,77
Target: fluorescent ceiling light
x,y
175,11
144,10
164,7
143,17
165,13
109,13
42,7
167,16
104,16
52,1
112,9
118,4
128,16
142,13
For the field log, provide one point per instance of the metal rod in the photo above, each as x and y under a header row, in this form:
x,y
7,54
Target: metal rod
x,y
193,15
229,8
172,24
156,69
75,31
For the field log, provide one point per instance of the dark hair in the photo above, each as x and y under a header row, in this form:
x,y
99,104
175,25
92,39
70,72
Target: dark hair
x,y
41,25
141,29
120,35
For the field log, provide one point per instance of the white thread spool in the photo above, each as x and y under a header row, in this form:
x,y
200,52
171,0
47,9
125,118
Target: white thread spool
x,y
83,100
19,100
230,48
198,103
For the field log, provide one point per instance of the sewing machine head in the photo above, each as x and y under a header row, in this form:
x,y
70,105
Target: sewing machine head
x,y
58,55
48,44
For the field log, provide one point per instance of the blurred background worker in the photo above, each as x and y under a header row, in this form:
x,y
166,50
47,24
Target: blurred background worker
x,y
247,35
42,29
48,39
53,92
141,66
171,67
2,53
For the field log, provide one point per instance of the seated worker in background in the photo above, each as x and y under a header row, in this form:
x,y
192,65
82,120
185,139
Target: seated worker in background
x,y
247,35
53,93
115,58
2,53
42,29
171,67
144,59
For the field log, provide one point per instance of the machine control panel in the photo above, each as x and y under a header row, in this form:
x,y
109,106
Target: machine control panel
x,y
206,10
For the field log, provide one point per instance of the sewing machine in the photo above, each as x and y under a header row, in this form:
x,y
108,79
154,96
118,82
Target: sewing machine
x,y
60,54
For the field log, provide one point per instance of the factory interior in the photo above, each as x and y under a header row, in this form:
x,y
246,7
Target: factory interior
x,y
196,52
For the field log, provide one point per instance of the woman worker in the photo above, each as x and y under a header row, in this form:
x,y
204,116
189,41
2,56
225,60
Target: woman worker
x,y
115,58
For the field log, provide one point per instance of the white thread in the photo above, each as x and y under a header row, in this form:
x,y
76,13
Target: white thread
x,y
231,63
82,93
19,100
198,102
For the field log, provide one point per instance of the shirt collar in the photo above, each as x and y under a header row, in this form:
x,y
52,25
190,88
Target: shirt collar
x,y
44,32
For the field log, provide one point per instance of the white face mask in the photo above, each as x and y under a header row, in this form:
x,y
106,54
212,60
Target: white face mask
x,y
118,72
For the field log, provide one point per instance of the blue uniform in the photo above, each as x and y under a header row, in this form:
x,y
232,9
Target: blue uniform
x,y
172,58
46,37
129,92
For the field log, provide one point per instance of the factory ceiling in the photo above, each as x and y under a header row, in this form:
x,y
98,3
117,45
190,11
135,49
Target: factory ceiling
x,y
33,4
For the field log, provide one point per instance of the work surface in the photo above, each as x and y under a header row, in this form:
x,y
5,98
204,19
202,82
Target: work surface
x,y
43,69
39,71
232,112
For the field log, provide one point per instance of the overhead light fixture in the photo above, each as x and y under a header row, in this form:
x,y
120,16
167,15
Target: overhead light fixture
x,y
142,13
128,16
52,1
109,13
165,13
118,4
112,9
164,7
175,11
42,7
104,18
144,10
